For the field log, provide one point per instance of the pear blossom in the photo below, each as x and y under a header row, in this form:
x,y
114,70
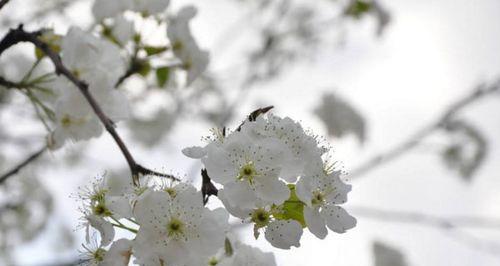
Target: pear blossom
x,y
305,150
280,233
105,8
176,227
123,29
98,63
322,192
258,166
194,60
249,170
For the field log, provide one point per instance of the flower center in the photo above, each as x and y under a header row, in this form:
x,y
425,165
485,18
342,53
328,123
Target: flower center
x,y
171,192
247,172
98,255
66,121
100,210
318,198
177,45
260,217
175,227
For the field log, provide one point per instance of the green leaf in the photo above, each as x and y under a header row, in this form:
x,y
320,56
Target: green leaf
x,y
291,209
162,75
358,8
153,50
143,68
228,248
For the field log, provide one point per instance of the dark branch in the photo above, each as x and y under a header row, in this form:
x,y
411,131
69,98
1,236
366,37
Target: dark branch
x,y
207,187
18,35
418,136
28,160
9,84
252,116
3,3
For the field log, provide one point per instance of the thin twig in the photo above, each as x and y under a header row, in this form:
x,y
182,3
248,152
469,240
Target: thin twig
x,y
18,35
28,160
10,84
453,227
417,137
426,219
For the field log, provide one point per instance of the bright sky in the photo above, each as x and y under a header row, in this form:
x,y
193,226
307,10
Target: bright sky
x,y
432,53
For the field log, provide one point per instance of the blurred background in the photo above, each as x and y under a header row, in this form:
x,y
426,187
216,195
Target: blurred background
x,y
407,92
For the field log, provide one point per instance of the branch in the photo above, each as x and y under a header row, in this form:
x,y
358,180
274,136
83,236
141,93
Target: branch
x,y
452,225
391,154
9,84
3,3
426,219
28,160
18,35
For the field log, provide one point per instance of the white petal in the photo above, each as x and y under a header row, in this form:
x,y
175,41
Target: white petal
x,y
340,189
117,185
212,233
271,189
119,206
337,219
240,194
194,152
118,254
303,190
233,210
315,222
105,229
219,166
151,209
284,233
144,253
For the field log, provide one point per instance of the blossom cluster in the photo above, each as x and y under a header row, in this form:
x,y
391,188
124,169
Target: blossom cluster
x,y
99,60
279,177
169,222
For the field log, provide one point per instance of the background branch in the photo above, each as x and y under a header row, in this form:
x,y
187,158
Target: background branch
x,y
27,161
426,219
404,147
3,3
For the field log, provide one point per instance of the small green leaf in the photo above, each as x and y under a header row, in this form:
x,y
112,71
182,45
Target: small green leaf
x,y
143,68
292,209
358,8
228,248
162,75
154,50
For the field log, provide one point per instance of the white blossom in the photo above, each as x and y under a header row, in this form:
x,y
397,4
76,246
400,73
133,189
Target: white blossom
x,y
322,192
194,60
123,29
176,227
249,170
98,63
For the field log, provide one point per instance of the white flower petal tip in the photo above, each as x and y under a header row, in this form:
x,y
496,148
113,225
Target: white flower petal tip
x,y
194,152
284,233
